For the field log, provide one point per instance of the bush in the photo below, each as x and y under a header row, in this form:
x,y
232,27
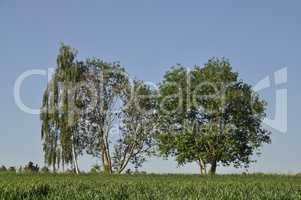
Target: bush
x,y
11,169
3,168
45,170
30,167
95,169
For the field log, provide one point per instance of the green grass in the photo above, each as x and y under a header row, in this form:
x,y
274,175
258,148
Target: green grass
x,y
165,187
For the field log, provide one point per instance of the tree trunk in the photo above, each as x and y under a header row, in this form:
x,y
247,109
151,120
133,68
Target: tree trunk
x,y
63,166
76,168
213,168
202,167
201,170
53,168
106,163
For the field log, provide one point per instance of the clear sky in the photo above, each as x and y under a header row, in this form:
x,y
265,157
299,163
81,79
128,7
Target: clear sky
x,y
148,37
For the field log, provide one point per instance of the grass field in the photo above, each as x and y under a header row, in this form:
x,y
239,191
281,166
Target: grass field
x,y
90,187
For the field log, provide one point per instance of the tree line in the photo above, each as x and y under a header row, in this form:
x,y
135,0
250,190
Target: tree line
x,y
30,167
206,115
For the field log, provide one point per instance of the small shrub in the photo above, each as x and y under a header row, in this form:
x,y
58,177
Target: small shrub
x,y
3,168
95,169
45,170
11,169
30,167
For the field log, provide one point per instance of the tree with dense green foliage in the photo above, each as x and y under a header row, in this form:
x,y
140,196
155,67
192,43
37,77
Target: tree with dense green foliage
x,y
209,116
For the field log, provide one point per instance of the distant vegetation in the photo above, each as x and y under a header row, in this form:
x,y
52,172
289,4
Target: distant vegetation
x,y
206,115
29,168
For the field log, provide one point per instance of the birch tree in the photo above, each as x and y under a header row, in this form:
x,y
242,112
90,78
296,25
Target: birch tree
x,y
59,112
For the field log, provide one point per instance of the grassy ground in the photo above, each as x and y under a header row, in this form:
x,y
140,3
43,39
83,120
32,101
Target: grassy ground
x,y
173,187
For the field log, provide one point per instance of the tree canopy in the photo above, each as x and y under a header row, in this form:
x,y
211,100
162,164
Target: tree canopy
x,y
206,115
210,116
93,107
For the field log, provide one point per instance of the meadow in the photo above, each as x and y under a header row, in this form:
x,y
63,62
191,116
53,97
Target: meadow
x,y
165,187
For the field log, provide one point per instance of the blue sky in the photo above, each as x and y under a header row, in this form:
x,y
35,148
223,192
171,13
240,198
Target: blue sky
x,y
148,37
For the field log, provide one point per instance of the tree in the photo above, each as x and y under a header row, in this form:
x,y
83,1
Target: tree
x,y
102,94
115,130
85,105
137,130
59,112
209,116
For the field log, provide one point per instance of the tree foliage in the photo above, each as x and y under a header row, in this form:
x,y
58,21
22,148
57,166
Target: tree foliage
x,y
89,107
210,116
137,130
206,115
59,112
